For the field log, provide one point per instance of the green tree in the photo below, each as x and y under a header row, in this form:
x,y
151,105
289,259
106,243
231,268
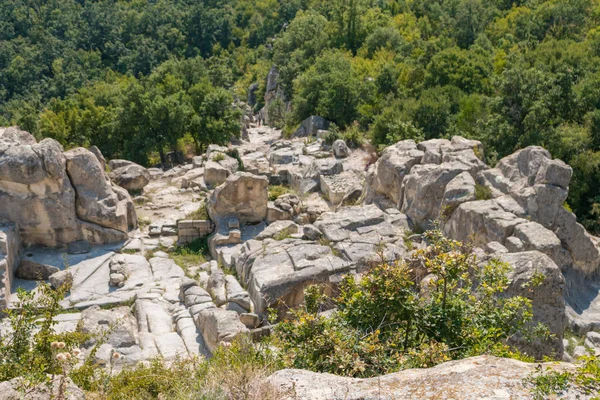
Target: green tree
x,y
330,88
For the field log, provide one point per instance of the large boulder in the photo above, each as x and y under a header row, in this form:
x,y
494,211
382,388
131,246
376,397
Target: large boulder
x,y
218,167
311,125
547,301
57,198
354,239
386,175
131,177
243,195
539,185
218,326
483,377
97,200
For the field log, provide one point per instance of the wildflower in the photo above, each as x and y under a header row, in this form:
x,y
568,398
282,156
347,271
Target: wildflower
x,y
116,355
225,344
61,345
76,352
67,356
61,357
54,345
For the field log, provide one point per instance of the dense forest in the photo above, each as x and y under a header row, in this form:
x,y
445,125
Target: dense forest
x,y
137,77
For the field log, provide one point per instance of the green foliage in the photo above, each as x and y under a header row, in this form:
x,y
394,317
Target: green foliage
x,y
550,382
191,254
483,192
391,126
135,77
387,320
353,135
236,371
277,190
234,153
200,214
329,88
34,351
218,157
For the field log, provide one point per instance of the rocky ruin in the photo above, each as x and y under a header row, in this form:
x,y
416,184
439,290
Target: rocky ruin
x,y
338,215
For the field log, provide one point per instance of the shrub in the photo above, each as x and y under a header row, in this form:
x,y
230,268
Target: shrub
x,y
218,157
387,320
234,153
547,383
353,136
483,192
33,350
277,190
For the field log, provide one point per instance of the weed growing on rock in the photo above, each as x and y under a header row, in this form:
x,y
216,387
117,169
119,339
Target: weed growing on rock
x,y
483,192
218,157
236,371
551,382
277,190
201,214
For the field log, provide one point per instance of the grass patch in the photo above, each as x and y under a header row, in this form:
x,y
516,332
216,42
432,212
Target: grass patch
x,y
237,371
218,157
282,235
191,254
550,383
277,190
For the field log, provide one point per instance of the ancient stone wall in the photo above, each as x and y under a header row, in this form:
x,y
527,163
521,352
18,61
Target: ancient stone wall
x,y
190,230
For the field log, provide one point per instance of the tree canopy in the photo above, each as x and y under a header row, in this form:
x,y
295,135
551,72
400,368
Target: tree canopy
x,y
135,77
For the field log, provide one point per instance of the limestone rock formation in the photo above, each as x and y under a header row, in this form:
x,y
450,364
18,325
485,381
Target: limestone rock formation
x,y
311,125
131,177
243,195
58,197
547,300
482,377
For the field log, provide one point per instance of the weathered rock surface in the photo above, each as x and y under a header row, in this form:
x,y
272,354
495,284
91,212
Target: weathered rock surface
x,y
57,198
547,300
481,377
11,390
311,125
276,272
131,177
218,166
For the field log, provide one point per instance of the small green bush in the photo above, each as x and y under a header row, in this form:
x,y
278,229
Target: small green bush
x,y
353,135
483,192
549,383
218,157
34,351
234,153
277,190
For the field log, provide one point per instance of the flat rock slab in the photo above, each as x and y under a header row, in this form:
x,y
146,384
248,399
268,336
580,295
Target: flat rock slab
x,y
483,377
